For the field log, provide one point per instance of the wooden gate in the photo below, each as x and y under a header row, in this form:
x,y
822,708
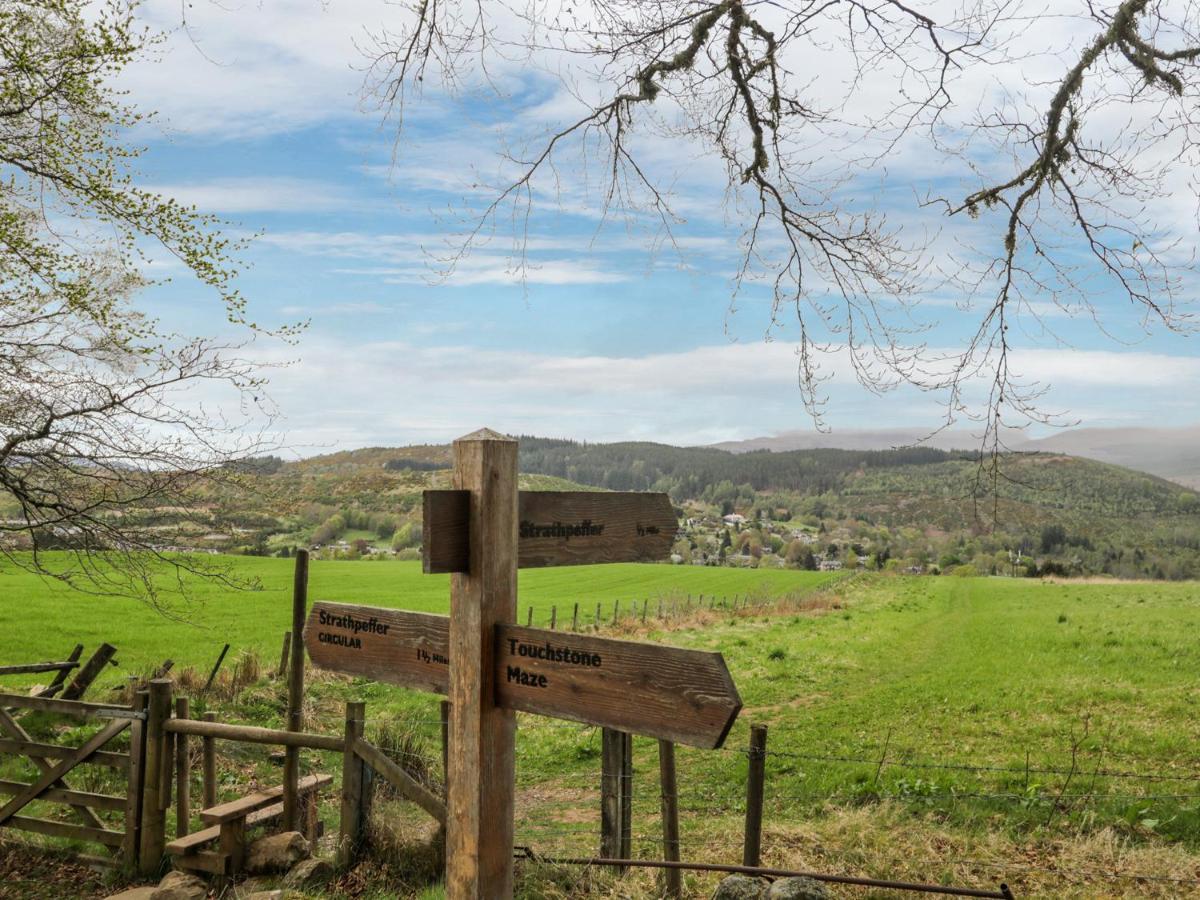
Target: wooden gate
x,y
108,819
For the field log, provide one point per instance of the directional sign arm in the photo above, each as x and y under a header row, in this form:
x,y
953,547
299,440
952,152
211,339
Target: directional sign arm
x,y
557,528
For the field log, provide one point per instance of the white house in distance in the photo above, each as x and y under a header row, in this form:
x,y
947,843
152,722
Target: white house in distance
x,y
734,519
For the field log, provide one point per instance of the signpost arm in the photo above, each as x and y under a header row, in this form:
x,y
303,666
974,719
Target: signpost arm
x,y
479,862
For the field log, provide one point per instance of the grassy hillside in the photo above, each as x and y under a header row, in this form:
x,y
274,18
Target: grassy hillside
x,y
959,730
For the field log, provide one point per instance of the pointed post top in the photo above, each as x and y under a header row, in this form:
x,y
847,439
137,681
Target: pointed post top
x,y
485,434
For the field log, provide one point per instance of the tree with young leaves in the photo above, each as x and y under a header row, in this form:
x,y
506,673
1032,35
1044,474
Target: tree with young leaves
x,y
103,439
1073,132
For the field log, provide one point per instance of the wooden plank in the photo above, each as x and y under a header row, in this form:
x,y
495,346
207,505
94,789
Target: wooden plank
x,y
570,528
90,671
38,750
243,806
56,772
445,518
31,668
408,787
253,734
72,798
134,785
66,830
558,528
391,645
208,751
79,708
60,679
685,696
479,828
186,844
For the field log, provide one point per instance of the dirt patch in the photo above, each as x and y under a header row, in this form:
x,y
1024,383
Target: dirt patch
x,y
34,873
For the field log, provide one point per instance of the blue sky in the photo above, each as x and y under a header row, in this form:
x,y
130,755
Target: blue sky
x,y
260,121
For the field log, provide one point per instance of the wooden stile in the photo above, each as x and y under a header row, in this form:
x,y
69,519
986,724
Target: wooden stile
x,y
153,832
208,746
183,773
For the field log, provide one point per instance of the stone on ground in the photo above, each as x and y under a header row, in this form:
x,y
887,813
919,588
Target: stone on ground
x,y
180,886
740,887
307,873
277,852
137,893
798,888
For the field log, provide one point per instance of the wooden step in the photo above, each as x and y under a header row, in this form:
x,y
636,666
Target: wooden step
x,y
196,839
237,809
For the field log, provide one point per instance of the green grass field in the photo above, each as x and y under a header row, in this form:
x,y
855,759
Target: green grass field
x,y
947,729
42,620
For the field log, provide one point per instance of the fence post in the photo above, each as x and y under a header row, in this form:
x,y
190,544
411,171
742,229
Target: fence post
x,y
553,618
153,836
616,611
529,618
209,748
575,618
752,849
670,815
645,603
133,797
183,773
295,710
626,798
284,654
610,794
597,613
350,832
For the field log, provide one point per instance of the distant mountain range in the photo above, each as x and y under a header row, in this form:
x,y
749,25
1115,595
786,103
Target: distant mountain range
x,y
1172,453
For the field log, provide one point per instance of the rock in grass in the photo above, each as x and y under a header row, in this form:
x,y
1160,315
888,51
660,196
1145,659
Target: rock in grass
x,y
180,886
740,887
308,873
798,888
276,852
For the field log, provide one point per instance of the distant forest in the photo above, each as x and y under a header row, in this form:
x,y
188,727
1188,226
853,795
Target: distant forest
x,y
698,472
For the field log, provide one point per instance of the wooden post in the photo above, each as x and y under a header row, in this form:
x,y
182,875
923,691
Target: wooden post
x,y
212,676
755,779
283,655
153,837
91,669
295,710
670,815
611,770
575,618
350,834
209,747
597,613
183,773
133,796
626,847
553,618
616,611
660,608
529,618
479,833
56,685
645,603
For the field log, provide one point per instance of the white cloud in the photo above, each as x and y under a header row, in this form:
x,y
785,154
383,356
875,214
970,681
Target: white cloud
x,y
259,193
347,394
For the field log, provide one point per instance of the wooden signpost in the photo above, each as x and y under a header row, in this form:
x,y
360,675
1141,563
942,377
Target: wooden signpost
x,y
489,666
686,696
